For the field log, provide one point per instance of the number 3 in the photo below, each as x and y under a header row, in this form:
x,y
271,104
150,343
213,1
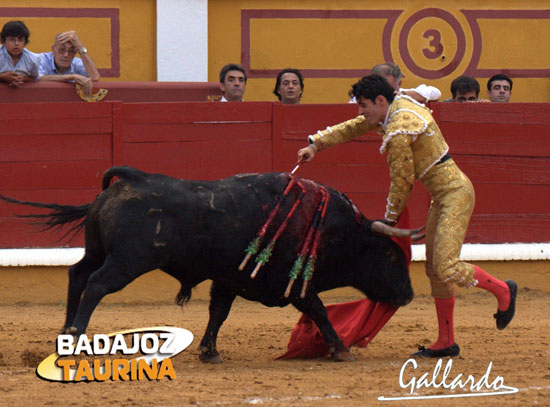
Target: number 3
x,y
435,43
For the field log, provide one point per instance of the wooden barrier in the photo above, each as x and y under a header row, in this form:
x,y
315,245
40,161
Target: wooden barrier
x,y
196,140
57,152
505,150
46,92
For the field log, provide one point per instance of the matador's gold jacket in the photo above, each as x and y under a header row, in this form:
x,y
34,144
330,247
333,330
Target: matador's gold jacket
x,y
411,138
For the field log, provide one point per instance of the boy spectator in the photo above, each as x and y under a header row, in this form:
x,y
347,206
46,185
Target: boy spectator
x,y
17,64
232,83
62,66
499,88
289,86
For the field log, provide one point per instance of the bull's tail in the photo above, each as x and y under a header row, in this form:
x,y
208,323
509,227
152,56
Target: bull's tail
x,y
127,173
59,215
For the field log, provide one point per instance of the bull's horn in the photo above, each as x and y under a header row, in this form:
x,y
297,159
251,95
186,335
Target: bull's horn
x,y
384,229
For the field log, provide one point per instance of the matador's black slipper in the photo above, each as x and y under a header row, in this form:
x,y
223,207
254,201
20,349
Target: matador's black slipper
x,y
452,351
504,317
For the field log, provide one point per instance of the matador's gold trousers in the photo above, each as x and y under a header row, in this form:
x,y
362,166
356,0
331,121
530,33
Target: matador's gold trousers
x,y
453,199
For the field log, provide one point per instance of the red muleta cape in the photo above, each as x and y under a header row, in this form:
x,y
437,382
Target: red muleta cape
x,y
356,322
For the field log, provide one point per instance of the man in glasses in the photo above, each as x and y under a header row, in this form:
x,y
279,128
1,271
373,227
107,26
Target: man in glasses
x,y
61,64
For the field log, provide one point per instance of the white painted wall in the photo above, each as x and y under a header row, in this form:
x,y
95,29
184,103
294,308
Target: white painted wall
x,y
182,40
470,252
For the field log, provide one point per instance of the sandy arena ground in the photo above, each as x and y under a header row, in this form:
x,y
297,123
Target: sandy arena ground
x,y
254,335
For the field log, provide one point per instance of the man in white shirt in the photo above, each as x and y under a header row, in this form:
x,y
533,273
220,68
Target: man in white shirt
x,y
61,65
232,83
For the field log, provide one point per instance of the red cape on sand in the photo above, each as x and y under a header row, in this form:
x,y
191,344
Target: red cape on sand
x,y
356,322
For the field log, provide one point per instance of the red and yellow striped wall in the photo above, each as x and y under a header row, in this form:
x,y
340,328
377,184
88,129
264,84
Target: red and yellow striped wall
x,y
334,43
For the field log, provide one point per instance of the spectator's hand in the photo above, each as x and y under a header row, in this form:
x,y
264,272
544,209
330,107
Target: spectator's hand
x,y
86,83
13,78
307,153
72,38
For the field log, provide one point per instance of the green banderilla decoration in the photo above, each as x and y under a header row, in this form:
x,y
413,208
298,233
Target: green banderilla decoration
x,y
308,273
297,268
263,258
310,268
250,251
294,273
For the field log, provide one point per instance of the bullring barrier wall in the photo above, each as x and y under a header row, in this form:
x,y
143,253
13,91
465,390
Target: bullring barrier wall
x,y
57,152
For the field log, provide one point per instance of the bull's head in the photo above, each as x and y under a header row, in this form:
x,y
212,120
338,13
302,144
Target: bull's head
x,y
385,274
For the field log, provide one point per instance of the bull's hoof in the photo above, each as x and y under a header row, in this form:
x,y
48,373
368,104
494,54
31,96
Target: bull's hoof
x,y
210,356
341,355
69,330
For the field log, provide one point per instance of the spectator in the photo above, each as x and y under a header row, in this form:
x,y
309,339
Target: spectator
x,y
499,88
393,75
232,83
60,65
17,64
464,89
289,86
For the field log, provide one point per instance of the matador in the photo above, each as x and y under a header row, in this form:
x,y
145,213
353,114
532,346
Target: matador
x,y
416,149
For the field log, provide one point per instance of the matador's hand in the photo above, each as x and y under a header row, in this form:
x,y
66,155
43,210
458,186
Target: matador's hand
x,y
307,153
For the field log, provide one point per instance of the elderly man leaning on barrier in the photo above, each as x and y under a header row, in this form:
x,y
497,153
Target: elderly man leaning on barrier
x,y
61,65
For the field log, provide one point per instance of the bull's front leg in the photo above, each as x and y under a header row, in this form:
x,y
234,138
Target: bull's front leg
x,y
221,300
313,307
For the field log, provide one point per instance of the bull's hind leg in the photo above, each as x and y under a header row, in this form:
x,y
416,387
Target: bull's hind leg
x,y
112,276
313,307
221,300
78,277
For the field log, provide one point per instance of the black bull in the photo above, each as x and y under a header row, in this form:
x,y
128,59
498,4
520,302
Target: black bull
x,y
198,230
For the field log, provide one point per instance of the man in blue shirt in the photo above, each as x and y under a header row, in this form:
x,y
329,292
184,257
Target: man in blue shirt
x,y
17,64
61,65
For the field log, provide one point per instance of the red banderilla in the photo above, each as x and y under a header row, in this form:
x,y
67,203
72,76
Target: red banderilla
x,y
313,234
310,266
264,256
254,245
